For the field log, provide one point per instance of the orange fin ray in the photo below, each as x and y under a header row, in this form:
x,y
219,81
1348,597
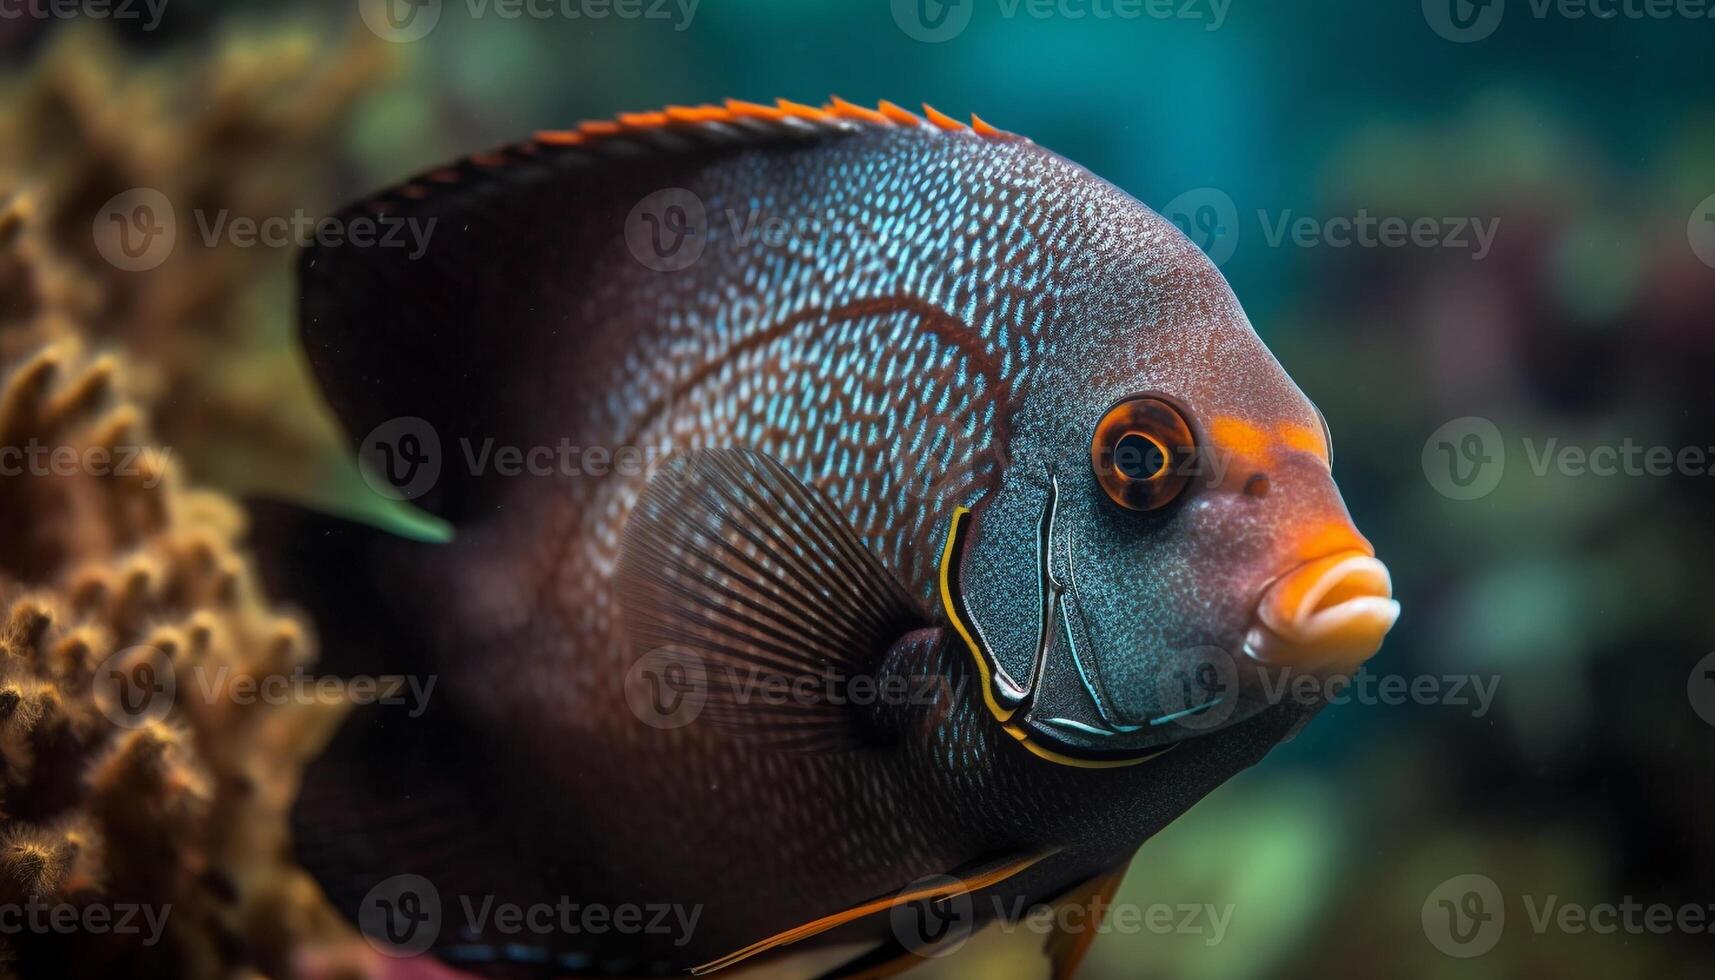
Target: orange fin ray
x,y
836,115
976,880
678,129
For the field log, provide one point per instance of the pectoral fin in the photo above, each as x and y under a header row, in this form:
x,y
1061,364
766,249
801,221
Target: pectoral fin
x,y
1066,948
974,878
730,558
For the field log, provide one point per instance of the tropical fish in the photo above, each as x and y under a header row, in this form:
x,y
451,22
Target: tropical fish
x,y
966,511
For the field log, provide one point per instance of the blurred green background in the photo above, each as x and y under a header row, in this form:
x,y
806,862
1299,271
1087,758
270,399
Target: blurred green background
x,y
1590,321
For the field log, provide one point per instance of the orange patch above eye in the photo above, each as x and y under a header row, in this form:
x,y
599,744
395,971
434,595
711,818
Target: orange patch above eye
x,y
1241,438
1304,439
1259,447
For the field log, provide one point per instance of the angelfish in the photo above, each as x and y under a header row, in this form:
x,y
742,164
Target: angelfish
x,y
966,515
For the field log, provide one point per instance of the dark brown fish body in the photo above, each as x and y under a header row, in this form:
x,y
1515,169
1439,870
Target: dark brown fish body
x,y
930,334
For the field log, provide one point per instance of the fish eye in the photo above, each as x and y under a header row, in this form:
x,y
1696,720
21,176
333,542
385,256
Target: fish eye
x,y
1139,451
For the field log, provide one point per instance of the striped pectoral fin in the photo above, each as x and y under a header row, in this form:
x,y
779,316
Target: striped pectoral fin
x,y
963,881
731,564
1066,946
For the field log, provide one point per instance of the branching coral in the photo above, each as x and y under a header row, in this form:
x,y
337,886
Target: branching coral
x,y
123,793
246,131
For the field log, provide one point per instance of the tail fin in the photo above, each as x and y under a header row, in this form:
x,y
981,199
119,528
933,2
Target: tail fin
x,y
402,787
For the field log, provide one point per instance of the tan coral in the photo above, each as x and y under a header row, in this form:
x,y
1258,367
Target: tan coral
x,y
245,130
182,807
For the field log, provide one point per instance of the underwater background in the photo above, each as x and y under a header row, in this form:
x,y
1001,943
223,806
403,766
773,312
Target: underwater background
x,y
1557,293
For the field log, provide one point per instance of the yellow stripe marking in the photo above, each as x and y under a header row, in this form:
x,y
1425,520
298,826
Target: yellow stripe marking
x,y
1004,715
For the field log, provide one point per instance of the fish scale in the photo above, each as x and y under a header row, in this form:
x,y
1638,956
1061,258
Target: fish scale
x,y
949,314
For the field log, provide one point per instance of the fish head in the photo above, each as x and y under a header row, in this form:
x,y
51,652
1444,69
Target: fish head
x,y
1168,543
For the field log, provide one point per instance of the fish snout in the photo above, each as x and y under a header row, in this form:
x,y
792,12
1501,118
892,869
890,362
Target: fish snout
x,y
1327,613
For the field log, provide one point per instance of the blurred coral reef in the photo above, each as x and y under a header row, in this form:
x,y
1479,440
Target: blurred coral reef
x,y
246,130
182,812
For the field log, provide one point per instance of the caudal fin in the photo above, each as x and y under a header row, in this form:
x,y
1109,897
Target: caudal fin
x,y
403,787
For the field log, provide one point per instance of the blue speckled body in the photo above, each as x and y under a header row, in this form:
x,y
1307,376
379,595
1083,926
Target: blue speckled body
x,y
928,334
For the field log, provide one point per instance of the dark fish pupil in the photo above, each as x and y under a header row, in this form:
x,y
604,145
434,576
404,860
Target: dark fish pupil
x,y
1138,457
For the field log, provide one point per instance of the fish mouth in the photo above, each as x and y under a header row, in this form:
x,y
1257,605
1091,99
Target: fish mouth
x,y
1328,613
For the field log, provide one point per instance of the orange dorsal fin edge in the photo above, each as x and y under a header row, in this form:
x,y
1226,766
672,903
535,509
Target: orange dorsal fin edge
x,y
735,116
679,129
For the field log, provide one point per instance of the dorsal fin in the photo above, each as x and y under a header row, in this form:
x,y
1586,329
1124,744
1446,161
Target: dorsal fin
x,y
676,129
453,319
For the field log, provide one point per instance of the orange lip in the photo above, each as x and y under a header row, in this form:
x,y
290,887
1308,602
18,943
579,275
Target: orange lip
x,y
1330,612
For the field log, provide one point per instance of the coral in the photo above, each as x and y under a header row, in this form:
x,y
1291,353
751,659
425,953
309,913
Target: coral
x,y
114,571
247,129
